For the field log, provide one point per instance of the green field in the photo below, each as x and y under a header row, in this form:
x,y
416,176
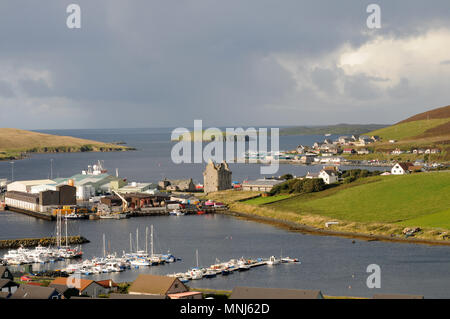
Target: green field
x,y
265,200
380,199
436,220
408,129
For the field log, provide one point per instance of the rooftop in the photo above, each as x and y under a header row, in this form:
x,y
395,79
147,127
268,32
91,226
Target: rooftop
x,y
152,284
274,293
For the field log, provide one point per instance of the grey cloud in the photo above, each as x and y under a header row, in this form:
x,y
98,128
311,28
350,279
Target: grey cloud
x,y
36,88
6,90
401,90
167,63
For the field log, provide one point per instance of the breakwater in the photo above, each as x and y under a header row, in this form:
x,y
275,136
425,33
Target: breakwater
x,y
45,241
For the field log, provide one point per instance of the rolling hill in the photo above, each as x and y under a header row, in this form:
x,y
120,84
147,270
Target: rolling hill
x,y
15,142
433,125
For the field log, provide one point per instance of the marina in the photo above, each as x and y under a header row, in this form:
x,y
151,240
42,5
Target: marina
x,y
340,261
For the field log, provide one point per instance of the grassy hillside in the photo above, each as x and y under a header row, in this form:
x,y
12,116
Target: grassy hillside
x,y
379,205
15,142
408,130
433,123
439,113
385,199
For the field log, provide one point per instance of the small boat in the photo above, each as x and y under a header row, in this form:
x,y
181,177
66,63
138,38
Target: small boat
x,y
200,212
73,216
225,272
140,262
273,261
210,274
196,274
243,266
289,260
176,212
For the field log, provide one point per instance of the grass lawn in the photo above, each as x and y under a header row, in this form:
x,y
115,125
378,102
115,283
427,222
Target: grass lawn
x,y
266,200
436,220
385,199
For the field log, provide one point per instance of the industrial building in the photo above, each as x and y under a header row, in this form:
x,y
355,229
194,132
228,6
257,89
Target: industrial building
x,y
138,188
29,186
261,185
90,185
43,202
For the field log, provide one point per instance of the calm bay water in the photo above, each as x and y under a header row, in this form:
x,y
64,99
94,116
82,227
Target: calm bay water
x,y
150,163
334,265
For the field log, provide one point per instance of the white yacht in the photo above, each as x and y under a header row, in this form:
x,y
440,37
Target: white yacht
x,y
273,261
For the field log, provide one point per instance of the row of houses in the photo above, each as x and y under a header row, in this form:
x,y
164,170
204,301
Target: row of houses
x,y
147,286
59,288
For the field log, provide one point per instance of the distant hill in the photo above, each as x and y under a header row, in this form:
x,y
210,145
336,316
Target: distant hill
x,y
338,129
432,125
14,143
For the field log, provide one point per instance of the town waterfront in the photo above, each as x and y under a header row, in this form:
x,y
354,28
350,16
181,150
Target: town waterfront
x,y
337,266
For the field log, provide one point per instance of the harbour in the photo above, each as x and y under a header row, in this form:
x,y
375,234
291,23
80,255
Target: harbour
x,y
335,265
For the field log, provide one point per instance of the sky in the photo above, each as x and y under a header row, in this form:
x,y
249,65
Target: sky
x,y
233,63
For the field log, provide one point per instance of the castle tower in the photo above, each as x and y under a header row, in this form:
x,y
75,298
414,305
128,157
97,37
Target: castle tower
x,y
216,177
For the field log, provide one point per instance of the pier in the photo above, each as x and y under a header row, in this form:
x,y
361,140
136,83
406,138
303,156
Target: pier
x,y
45,216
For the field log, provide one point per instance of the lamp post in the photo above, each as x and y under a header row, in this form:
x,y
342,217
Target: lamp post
x,y
51,168
12,171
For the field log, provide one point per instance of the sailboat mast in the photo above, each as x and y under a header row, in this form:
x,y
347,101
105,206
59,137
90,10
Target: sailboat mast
x,y
146,240
151,236
196,254
58,225
66,232
131,243
104,246
137,239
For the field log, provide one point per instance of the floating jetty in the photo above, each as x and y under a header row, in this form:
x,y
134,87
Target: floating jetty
x,y
227,268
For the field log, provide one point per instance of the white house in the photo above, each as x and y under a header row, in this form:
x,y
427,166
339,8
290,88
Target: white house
x,y
329,176
401,168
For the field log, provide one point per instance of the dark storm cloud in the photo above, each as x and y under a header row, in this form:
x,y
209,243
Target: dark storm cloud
x,y
165,63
